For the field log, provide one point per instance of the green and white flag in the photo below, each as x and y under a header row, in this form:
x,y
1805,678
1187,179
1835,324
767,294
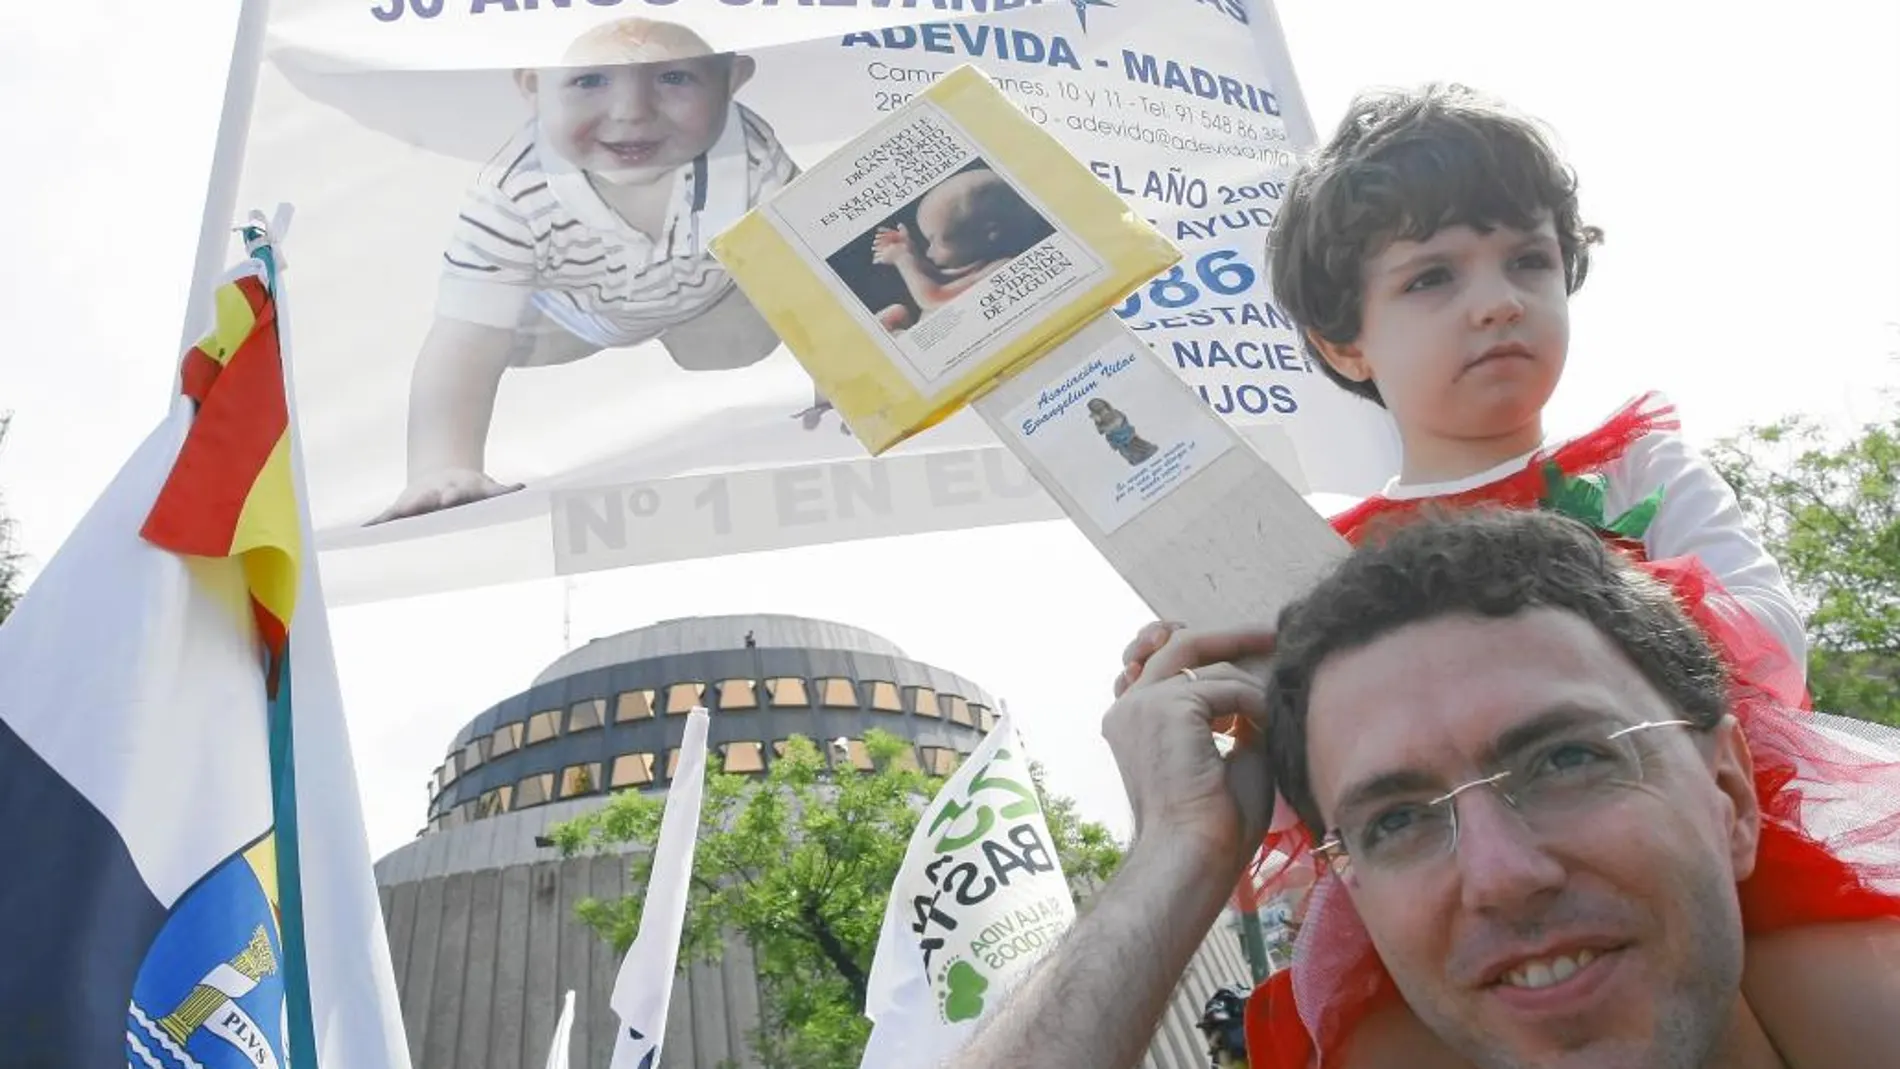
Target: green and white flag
x,y
980,899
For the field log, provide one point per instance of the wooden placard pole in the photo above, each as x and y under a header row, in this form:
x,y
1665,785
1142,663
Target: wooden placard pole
x,y
1222,539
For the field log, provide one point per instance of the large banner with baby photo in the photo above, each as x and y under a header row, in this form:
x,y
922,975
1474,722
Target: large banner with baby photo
x,y
515,354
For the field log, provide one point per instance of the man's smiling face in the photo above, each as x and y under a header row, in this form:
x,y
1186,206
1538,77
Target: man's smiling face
x,y
1605,936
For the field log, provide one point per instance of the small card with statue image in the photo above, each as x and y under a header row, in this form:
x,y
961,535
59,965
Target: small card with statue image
x,y
950,244
1114,428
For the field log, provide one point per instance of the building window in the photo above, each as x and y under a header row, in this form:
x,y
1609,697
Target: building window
x,y
940,760
577,780
543,726
884,698
534,790
959,710
586,715
778,747
737,694
924,702
985,719
447,773
494,802
787,691
743,757
472,755
633,770
506,739
682,697
907,759
633,705
672,763
838,693
860,758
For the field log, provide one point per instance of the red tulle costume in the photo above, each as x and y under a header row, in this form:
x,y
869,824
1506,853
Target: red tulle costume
x,y
1830,810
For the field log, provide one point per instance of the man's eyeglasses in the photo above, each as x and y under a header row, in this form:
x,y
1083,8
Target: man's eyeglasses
x,y
1548,784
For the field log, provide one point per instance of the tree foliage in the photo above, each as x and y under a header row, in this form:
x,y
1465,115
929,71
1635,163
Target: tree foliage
x,y
10,571
1829,511
800,863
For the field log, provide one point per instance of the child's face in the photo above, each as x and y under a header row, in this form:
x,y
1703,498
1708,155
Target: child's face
x,y
635,122
1465,333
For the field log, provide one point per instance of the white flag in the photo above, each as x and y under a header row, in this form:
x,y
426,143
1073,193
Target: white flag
x,y
161,872
981,897
563,1035
645,984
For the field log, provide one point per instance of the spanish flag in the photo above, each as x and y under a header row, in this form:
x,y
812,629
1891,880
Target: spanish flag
x,y
188,879
230,493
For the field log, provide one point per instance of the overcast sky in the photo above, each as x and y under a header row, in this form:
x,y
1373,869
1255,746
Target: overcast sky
x,y
1744,166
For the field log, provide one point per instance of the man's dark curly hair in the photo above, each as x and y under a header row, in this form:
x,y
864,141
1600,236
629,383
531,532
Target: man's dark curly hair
x,y
1484,562
1400,167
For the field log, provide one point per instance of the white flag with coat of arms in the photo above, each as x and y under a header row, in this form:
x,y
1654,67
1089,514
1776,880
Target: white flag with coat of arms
x,y
178,806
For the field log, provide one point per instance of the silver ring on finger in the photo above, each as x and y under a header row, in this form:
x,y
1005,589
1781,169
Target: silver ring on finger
x,y
1191,676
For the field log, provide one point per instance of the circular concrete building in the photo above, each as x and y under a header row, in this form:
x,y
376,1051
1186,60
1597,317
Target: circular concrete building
x,y
480,914
609,716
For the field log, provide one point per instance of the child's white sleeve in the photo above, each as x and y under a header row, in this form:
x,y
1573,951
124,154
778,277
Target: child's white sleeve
x,y
489,269
1700,517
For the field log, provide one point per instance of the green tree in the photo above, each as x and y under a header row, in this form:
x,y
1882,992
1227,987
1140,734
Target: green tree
x,y
1829,510
800,863
10,573
1088,850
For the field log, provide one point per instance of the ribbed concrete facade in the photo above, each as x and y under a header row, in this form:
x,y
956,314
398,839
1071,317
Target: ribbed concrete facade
x,y
482,959
483,953
481,919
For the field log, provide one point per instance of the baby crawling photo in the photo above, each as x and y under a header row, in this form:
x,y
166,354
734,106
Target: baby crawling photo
x,y
928,253
588,233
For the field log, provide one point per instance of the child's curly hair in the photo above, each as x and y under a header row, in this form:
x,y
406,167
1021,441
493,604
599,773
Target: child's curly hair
x,y
1401,166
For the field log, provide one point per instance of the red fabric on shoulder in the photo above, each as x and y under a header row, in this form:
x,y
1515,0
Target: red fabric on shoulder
x,y
1275,1037
1524,488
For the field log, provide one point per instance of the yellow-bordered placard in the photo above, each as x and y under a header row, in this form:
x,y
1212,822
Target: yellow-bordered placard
x,y
949,245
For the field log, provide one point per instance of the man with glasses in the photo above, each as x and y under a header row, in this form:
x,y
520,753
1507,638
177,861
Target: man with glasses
x,y
1522,764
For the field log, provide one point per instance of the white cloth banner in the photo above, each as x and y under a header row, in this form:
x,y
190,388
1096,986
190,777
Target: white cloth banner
x,y
980,899
645,984
505,207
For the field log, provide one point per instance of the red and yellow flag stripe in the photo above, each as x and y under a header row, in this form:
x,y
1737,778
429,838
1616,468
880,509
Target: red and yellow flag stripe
x,y
230,493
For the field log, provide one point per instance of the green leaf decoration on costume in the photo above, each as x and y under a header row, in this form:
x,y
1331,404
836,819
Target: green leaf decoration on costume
x,y
1635,523
1580,497
1585,497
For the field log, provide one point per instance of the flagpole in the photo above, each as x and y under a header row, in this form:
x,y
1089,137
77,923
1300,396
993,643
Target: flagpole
x,y
227,163
300,1045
